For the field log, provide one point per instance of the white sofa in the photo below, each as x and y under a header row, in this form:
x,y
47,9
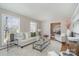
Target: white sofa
x,y
25,39
58,37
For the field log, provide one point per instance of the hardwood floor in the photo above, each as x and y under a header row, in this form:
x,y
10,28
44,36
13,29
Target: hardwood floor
x,y
64,46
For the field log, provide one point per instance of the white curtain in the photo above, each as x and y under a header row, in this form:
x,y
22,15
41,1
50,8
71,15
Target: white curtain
x,y
13,24
33,26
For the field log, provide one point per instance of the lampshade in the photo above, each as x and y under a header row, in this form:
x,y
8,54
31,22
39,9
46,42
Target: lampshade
x,y
39,30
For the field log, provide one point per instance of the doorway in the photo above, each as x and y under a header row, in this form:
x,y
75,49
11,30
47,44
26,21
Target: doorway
x,y
55,28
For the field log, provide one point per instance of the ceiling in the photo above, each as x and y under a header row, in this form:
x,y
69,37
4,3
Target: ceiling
x,y
41,11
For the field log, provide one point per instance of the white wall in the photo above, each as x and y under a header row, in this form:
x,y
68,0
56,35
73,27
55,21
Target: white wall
x,y
0,29
46,27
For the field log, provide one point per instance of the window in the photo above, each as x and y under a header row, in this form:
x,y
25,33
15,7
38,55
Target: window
x,y
33,29
10,24
13,24
76,27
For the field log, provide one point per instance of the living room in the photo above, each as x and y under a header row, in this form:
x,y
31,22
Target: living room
x,y
29,29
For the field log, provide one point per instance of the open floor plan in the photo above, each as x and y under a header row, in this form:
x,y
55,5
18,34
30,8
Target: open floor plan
x,y
39,29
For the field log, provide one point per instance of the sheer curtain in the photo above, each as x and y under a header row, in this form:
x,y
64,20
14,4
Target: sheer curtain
x,y
10,24
13,24
33,26
33,29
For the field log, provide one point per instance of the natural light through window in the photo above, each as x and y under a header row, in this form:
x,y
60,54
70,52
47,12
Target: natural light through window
x,y
33,26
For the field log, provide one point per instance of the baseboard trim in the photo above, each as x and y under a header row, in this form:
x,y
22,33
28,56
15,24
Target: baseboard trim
x,y
58,41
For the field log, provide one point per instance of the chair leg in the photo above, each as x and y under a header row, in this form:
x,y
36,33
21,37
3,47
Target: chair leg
x,y
7,47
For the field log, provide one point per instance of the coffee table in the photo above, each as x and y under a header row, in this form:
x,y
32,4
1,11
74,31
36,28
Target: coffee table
x,y
40,45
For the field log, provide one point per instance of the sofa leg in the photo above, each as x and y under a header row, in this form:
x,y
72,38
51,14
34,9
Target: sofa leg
x,y
21,46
